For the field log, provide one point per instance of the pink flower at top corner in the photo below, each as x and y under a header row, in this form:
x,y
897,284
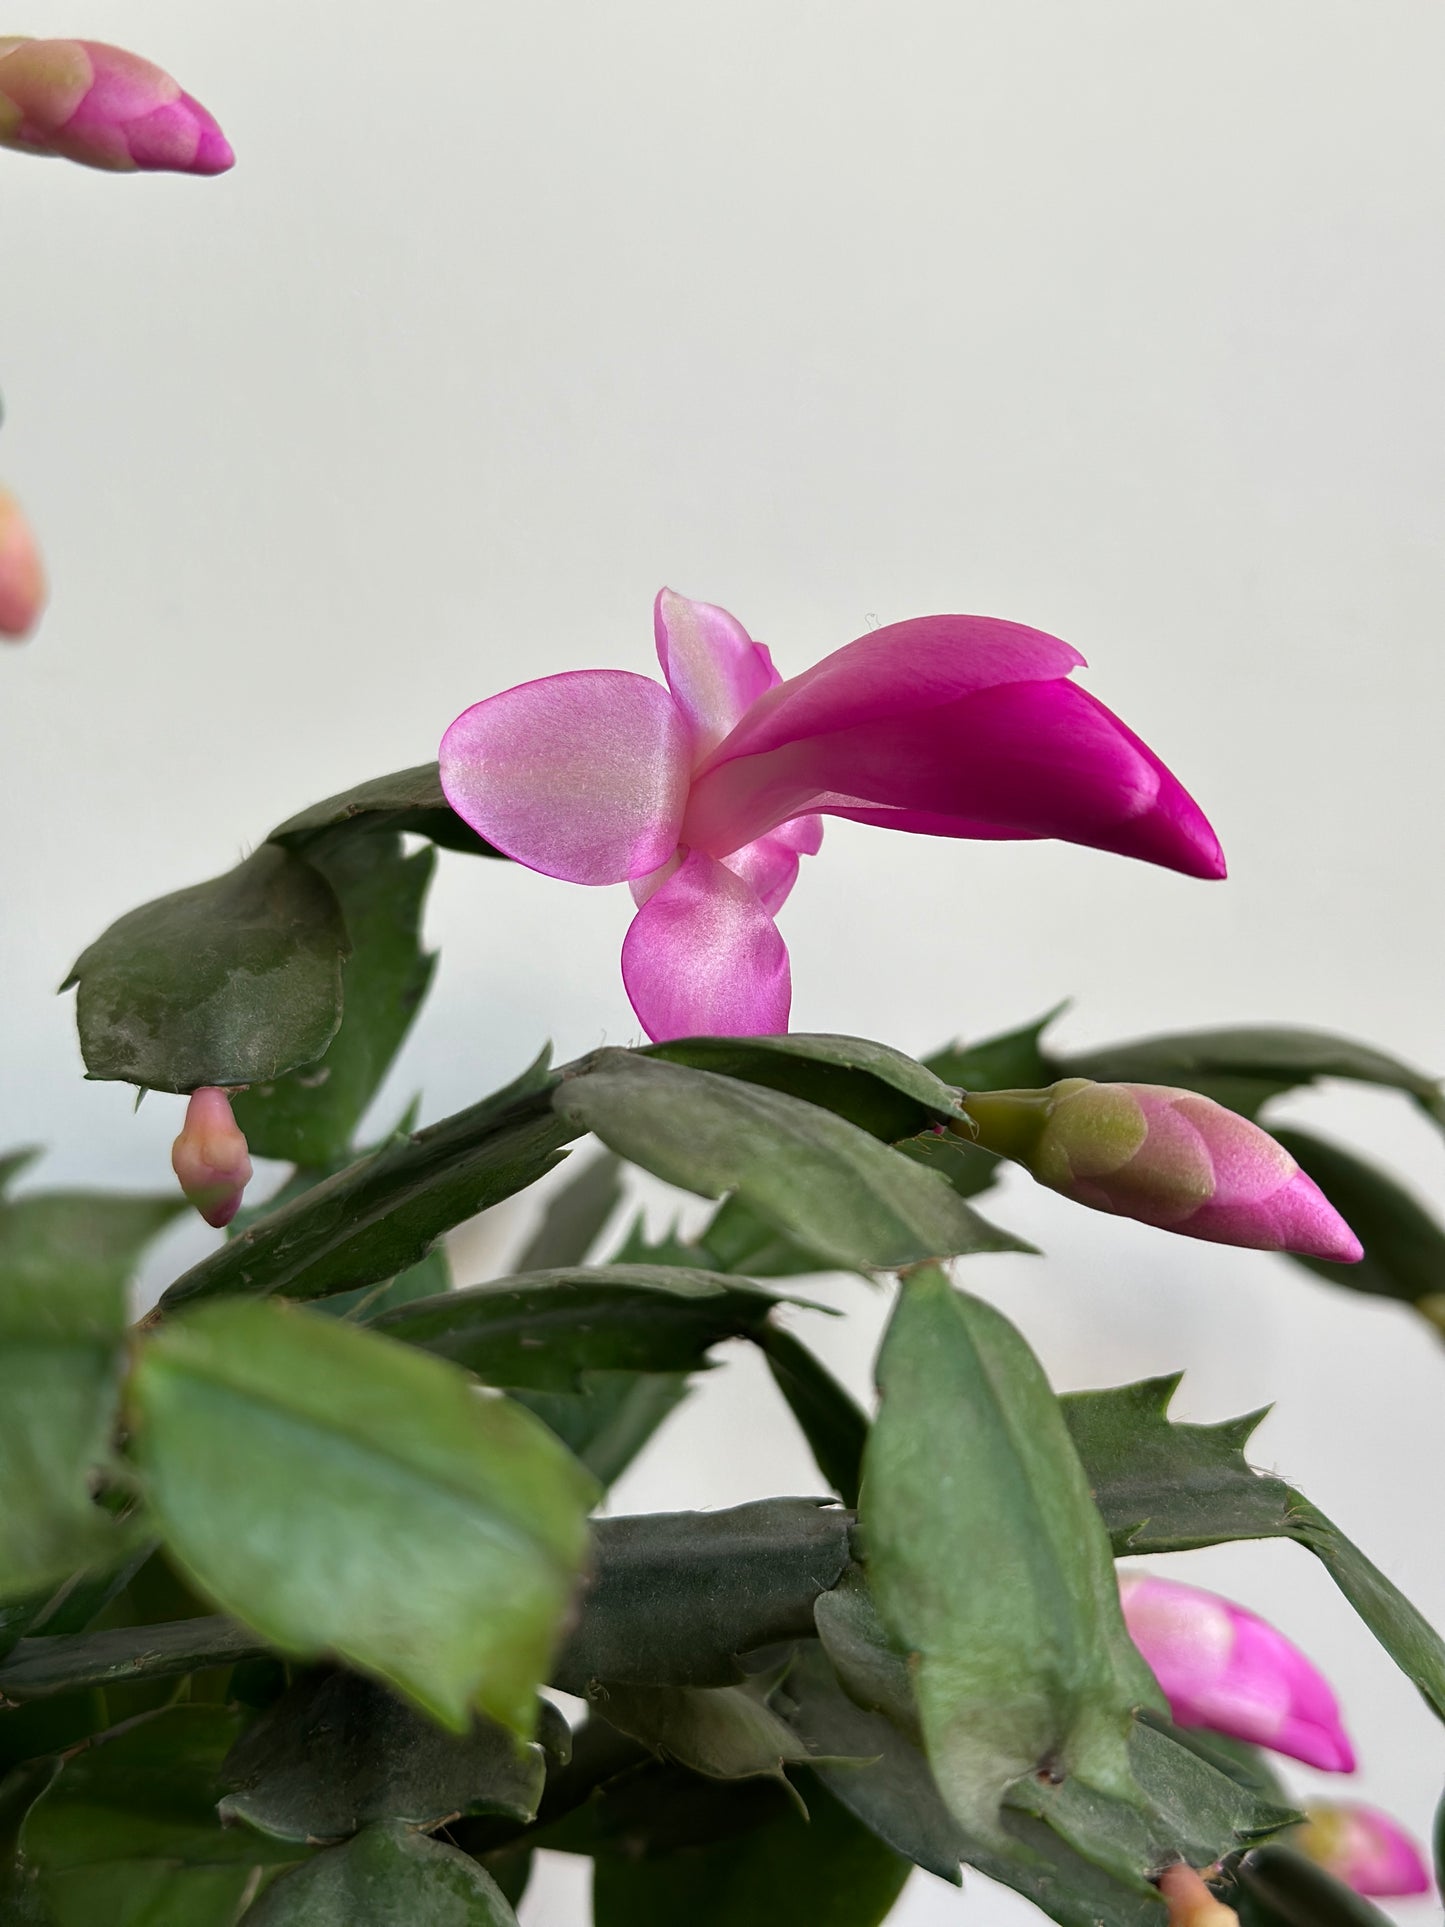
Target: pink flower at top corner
x,y
703,795
103,107
1224,1668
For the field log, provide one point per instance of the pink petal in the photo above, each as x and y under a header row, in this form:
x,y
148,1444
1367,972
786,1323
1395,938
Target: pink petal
x,y
704,958
581,776
770,865
1036,758
900,670
1365,1848
1224,1668
713,667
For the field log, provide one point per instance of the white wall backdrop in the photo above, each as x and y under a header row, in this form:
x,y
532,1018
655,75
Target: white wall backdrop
x,y
1117,317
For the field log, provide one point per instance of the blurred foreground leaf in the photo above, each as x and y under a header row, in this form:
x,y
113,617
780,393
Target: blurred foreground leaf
x,y
343,1493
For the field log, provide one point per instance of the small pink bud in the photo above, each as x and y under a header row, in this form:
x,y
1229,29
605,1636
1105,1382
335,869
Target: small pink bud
x,y
1224,1668
1167,1157
1190,1902
22,580
104,108
210,1157
1364,1848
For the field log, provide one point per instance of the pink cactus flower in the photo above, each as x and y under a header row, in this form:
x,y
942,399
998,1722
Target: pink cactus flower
x,y
1166,1157
210,1157
104,108
1224,1668
1364,1848
1190,1902
704,795
22,579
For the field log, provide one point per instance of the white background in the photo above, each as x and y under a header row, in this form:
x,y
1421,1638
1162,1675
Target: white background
x,y
1121,319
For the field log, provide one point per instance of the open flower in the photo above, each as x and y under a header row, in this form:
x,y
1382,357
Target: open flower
x,y
704,795
1167,1157
1363,1847
22,579
104,108
210,1157
1224,1668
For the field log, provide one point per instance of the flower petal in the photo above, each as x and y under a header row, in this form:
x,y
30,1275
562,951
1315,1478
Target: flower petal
x,y
770,864
581,776
1033,759
1225,1668
713,667
704,958
1365,1848
903,669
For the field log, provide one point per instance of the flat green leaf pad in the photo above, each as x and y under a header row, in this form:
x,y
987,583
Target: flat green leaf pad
x,y
230,982
385,1877
340,1492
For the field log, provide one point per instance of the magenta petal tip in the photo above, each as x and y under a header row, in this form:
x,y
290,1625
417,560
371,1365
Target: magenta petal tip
x,y
1364,1848
1224,1668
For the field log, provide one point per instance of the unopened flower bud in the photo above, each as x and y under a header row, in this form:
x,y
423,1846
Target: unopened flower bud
x,y
1223,1668
22,580
104,108
1167,1157
1364,1848
210,1157
1190,1902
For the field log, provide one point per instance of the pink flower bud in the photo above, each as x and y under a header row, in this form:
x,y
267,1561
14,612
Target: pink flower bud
x,y
22,580
210,1157
104,108
1224,1668
1190,1902
1364,1848
1166,1157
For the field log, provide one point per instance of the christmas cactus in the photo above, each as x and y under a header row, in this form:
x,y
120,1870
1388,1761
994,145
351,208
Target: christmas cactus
x,y
311,1609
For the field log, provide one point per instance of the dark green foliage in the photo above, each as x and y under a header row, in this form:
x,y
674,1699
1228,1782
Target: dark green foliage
x,y
387,1876
880,1090
1279,1888
786,1871
402,1554
804,1171
1404,1245
540,1331
1243,1067
411,800
1166,1487
234,981
338,1753
833,1423
310,1116
676,1597
65,1260
383,1213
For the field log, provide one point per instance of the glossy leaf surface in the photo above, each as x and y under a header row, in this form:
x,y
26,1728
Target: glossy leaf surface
x,y
435,1536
